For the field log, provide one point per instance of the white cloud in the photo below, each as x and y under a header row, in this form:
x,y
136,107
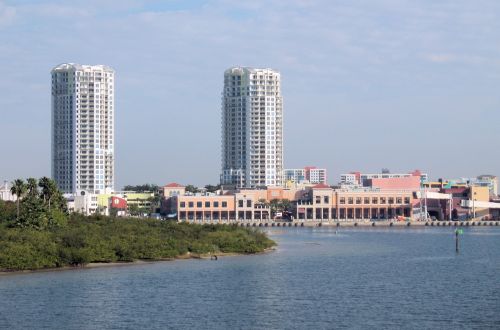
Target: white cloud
x,y
440,58
7,14
55,10
338,58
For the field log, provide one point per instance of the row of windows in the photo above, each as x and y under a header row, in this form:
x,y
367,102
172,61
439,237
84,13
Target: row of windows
x,y
200,204
373,200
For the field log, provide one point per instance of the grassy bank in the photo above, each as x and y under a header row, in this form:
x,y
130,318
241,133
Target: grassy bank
x,y
105,239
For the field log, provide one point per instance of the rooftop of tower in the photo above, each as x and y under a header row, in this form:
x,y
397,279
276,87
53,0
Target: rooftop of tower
x,y
75,66
240,69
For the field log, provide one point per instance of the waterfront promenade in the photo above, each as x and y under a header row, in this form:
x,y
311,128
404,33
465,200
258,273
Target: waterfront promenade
x,y
349,223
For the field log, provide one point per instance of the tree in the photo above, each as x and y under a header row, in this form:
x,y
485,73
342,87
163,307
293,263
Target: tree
x,y
49,189
33,214
212,188
59,202
274,205
148,187
18,188
133,209
285,205
155,203
7,210
191,189
32,186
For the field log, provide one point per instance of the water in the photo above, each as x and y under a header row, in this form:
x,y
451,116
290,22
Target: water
x,y
357,278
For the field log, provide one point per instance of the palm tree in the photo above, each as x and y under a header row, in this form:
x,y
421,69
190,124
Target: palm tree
x,y
274,205
49,189
18,188
32,187
285,205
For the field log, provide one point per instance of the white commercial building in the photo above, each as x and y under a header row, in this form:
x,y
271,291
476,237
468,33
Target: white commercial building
x,y
349,179
358,178
252,128
316,175
5,193
309,174
294,175
83,111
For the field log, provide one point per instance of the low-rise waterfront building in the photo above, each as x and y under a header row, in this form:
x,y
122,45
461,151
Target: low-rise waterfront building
x,y
489,181
88,203
173,189
358,178
320,202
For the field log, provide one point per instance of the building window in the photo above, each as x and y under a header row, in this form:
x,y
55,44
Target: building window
x,y
183,204
191,204
207,204
358,200
318,199
216,204
367,200
407,200
249,203
391,200
382,200
199,204
326,199
342,200
374,200
224,204
399,200
350,200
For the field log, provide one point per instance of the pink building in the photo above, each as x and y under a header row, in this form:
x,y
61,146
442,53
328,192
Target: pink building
x,y
403,183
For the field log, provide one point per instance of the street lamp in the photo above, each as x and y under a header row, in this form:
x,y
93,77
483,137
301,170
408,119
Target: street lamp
x,y
473,206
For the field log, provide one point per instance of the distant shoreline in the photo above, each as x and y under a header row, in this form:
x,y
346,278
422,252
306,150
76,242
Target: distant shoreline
x,y
92,265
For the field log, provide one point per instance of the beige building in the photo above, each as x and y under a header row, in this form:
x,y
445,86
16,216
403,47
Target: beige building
x,y
173,189
316,203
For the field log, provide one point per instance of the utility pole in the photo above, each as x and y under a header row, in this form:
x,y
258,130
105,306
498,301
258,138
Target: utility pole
x,y
425,206
473,203
451,203
458,232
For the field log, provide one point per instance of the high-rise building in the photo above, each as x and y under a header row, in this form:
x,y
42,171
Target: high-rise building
x,y
83,128
252,128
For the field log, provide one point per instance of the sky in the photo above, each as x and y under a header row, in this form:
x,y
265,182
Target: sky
x,y
367,84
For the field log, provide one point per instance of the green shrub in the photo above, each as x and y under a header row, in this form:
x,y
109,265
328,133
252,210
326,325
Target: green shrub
x,y
105,239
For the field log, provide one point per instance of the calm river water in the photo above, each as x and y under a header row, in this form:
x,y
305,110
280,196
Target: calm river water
x,y
317,279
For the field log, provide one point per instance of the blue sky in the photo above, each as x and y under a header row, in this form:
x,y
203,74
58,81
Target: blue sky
x,y
367,84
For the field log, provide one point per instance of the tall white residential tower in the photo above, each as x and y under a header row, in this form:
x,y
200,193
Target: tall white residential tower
x,y
252,128
83,111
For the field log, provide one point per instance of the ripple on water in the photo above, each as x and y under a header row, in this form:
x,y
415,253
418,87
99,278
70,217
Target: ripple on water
x,y
315,279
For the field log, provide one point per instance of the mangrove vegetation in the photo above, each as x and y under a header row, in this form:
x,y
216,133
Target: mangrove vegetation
x,y
36,232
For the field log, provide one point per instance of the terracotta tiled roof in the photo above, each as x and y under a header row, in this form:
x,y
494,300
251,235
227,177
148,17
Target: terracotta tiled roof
x,y
173,185
321,186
